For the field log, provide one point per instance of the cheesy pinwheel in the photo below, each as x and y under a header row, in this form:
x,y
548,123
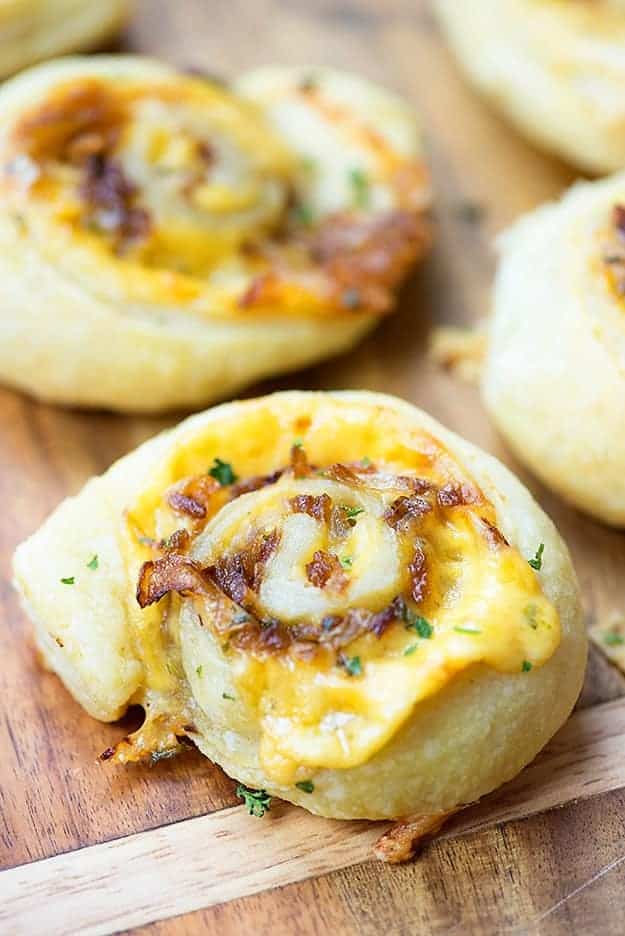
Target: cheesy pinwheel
x,y
33,30
330,594
164,240
554,379
555,68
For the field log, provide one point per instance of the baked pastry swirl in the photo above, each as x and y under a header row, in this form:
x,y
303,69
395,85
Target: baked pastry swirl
x,y
555,68
33,30
329,594
554,380
185,239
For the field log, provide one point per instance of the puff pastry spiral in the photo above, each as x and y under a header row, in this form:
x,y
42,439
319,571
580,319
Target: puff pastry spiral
x,y
555,68
554,379
328,593
165,241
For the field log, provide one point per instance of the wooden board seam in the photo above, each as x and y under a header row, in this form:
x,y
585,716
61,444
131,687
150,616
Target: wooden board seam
x,y
206,860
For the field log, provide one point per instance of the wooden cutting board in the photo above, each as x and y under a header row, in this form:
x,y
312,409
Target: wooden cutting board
x,y
140,845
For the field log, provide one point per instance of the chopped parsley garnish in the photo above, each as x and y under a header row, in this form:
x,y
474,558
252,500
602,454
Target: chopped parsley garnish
x,y
346,561
257,801
93,563
526,666
306,786
230,698
351,513
156,756
351,665
530,612
612,639
360,187
298,443
411,649
365,462
222,472
537,561
303,214
418,624
69,580
198,670
467,630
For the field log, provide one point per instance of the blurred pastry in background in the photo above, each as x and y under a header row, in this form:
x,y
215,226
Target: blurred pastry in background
x,y
336,599
34,30
554,379
555,68
165,240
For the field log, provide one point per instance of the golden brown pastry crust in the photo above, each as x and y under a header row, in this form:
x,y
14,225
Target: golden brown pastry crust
x,y
555,68
184,239
554,380
466,734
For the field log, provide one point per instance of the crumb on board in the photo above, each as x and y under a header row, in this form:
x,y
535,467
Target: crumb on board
x,y
609,637
401,842
461,351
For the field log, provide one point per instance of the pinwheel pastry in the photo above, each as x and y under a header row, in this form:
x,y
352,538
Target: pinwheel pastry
x,y
555,68
164,241
32,30
329,594
554,379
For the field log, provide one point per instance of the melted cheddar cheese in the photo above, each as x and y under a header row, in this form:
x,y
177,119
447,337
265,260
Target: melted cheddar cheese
x,y
338,594
179,193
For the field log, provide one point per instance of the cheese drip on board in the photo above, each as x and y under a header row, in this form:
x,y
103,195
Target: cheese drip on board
x,y
339,595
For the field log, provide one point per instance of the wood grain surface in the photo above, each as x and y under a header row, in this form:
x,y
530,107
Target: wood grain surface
x,y
211,859
559,872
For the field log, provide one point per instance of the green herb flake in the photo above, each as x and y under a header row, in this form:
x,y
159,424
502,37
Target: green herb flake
x,y
612,639
365,462
306,786
351,513
222,472
198,670
419,624
93,563
537,561
351,665
467,630
359,184
530,612
346,561
69,580
526,666
297,443
230,698
257,802
156,756
411,649
303,214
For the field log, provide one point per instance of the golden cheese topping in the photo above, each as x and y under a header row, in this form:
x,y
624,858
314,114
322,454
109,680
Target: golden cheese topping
x,y
341,594
178,192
